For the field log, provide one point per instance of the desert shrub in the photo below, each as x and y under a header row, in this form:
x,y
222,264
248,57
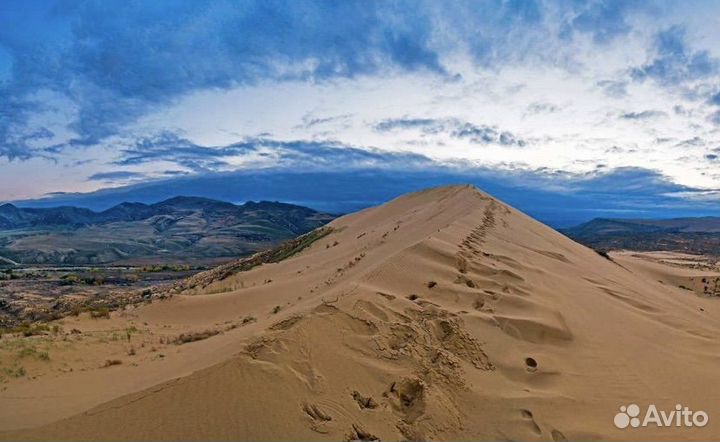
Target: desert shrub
x,y
195,336
100,312
15,372
30,329
132,278
28,352
276,309
94,280
70,279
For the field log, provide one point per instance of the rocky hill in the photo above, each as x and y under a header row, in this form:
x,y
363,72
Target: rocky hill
x,y
180,229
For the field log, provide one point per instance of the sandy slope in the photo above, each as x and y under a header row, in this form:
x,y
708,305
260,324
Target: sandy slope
x,y
441,315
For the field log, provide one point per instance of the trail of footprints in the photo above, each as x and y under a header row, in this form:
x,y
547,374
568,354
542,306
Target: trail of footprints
x,y
470,251
435,340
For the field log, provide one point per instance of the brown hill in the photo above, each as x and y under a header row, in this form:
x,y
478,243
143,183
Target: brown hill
x,y
442,315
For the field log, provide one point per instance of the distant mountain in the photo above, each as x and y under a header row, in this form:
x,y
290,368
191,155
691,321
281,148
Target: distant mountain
x,y
180,229
694,235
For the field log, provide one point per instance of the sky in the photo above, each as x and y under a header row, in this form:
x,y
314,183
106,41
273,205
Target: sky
x,y
609,107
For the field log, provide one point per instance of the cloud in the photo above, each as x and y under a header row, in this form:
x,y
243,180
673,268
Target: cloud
x,y
644,115
674,62
115,61
613,88
453,127
261,152
715,118
428,125
116,176
714,99
110,62
694,141
486,135
542,108
309,121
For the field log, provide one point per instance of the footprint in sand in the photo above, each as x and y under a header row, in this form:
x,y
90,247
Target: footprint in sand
x,y
408,397
363,401
527,415
558,436
531,364
316,413
319,419
359,433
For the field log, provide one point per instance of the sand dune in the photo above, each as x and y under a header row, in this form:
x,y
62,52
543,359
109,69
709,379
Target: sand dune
x,y
441,315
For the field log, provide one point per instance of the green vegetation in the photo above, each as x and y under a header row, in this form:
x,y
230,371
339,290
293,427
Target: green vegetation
x,y
27,329
8,275
293,247
282,252
99,312
14,372
166,268
28,352
70,279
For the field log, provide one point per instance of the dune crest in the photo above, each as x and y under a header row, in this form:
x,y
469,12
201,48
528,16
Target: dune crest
x,y
441,315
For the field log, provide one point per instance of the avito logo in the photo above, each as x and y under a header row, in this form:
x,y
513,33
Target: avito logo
x,y
629,416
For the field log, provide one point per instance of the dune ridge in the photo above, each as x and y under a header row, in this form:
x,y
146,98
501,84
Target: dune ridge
x,y
441,315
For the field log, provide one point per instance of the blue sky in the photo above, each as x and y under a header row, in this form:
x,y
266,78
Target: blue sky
x,y
557,100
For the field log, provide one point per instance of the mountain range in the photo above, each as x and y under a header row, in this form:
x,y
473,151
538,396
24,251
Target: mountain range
x,y
695,235
185,229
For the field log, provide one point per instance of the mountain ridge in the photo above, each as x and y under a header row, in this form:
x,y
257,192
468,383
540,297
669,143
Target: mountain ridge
x,y
700,235
185,229
12,216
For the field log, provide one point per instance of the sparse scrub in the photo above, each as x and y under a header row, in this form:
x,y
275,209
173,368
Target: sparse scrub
x,y
29,329
14,372
276,310
99,312
70,279
195,336
28,352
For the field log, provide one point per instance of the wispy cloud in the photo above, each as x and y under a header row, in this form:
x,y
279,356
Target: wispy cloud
x,y
116,176
643,115
263,152
453,127
675,62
